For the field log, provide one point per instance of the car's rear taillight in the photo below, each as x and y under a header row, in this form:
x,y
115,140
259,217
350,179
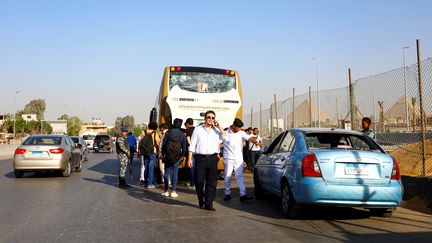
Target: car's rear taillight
x,y
396,170
56,150
310,166
20,151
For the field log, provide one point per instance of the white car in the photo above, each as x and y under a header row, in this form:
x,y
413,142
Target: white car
x,y
89,139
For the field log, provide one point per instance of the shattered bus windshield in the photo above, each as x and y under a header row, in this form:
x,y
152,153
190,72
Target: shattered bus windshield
x,y
202,82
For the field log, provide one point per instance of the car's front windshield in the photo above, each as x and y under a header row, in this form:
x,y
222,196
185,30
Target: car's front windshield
x,y
202,82
317,141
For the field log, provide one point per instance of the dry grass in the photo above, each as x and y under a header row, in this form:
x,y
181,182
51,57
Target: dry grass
x,y
409,158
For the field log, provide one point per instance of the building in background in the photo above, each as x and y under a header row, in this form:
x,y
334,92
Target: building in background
x,y
58,126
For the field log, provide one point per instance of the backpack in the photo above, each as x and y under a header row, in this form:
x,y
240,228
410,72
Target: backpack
x,y
172,148
147,145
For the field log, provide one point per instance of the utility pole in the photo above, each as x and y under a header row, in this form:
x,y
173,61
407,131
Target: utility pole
x,y
405,84
293,111
352,102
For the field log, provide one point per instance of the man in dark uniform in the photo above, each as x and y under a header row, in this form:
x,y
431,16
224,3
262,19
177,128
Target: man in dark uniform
x,y
123,155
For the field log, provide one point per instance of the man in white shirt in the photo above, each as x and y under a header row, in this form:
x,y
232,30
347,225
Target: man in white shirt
x,y
204,145
233,158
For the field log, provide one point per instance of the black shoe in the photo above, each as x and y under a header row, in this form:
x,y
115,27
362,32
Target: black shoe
x,y
245,198
201,204
209,206
227,197
122,183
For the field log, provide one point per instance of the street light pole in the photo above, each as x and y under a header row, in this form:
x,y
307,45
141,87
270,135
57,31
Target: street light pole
x,y
405,84
15,113
318,97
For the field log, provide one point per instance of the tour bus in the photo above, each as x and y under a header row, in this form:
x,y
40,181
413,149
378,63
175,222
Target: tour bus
x,y
191,91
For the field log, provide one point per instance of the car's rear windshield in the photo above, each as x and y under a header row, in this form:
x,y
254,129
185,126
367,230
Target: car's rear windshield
x,y
317,141
76,140
43,141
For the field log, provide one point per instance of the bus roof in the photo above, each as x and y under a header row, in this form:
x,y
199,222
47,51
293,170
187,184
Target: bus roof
x,y
202,69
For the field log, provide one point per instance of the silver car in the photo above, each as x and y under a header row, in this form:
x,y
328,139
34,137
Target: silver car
x,y
47,153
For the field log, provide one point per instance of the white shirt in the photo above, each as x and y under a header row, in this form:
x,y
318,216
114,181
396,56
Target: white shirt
x,y
255,147
205,141
233,144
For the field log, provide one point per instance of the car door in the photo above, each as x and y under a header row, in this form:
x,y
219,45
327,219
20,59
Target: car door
x,y
75,152
264,163
281,159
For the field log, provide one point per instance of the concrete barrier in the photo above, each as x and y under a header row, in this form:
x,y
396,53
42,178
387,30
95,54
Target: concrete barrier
x,y
7,150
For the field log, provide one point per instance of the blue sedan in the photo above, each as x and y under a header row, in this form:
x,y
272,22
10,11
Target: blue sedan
x,y
329,167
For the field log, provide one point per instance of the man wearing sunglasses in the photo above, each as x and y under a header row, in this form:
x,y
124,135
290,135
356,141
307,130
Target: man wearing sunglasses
x,y
204,145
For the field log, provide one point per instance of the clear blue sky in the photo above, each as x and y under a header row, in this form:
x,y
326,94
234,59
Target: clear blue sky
x,y
106,58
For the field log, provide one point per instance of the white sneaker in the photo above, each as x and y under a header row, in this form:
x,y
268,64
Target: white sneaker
x,y
166,194
174,194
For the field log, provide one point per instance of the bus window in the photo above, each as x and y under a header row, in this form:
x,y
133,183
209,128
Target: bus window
x,y
202,82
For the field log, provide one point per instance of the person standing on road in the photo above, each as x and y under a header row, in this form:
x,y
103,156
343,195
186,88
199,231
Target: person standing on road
x,y
205,142
233,158
173,151
189,131
162,130
123,154
148,148
366,124
132,146
255,148
246,151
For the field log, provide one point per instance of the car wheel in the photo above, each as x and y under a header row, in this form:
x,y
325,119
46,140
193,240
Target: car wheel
x,y
382,212
18,174
259,192
80,164
67,171
288,205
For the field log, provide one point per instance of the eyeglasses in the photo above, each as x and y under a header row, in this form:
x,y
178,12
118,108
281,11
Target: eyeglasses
x,y
210,117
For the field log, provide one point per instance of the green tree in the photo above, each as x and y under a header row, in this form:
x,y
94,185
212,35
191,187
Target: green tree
x,y
73,126
35,107
64,117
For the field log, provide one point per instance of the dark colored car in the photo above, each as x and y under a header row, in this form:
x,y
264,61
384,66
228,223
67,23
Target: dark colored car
x,y
103,143
80,142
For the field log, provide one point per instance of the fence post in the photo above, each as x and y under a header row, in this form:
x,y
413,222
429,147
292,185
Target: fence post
x,y
276,113
261,118
422,115
271,121
310,107
251,117
352,102
293,107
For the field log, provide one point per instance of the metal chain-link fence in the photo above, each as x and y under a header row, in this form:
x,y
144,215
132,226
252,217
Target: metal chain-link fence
x,y
390,99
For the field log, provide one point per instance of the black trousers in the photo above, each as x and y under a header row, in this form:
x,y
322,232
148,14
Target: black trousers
x,y
206,174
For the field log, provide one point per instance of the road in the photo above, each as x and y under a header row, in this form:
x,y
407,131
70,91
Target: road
x,y
88,207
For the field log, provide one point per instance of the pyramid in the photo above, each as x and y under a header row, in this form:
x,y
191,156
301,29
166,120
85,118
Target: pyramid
x,y
302,114
398,110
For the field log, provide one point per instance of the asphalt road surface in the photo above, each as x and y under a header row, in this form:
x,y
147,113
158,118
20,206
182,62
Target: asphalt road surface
x,y
89,207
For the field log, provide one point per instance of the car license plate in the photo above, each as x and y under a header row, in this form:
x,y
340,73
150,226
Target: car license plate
x,y
356,169
37,153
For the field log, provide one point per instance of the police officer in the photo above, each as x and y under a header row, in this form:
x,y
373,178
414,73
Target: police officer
x,y
123,155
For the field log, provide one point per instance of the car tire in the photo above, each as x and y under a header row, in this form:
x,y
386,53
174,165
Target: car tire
x,y
288,205
18,174
67,171
258,191
382,212
80,165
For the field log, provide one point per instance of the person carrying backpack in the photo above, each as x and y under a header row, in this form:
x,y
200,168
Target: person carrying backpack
x,y
148,149
173,151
